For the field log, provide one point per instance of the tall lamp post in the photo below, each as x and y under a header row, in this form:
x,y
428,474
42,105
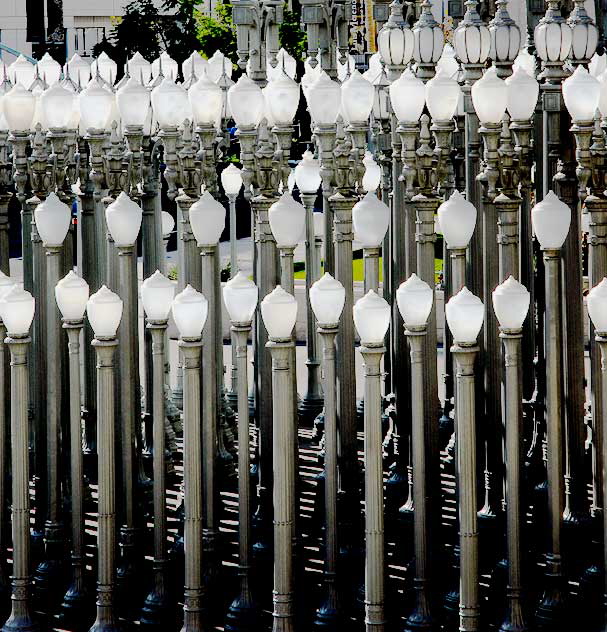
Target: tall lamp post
x,y
17,312
240,296
104,311
372,319
327,298
72,294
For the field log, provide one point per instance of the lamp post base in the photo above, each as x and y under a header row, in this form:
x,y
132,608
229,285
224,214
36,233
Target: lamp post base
x,y
327,618
309,408
75,604
551,609
243,616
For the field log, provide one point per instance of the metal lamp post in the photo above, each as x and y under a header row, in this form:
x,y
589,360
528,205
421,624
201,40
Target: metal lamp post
x,y
240,296
17,312
104,311
327,298
372,318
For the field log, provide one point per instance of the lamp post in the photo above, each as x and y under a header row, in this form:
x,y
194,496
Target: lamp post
x,y
551,219
279,312
104,311
464,313
72,294
372,319
415,299
240,296
327,298
190,310
17,313
511,305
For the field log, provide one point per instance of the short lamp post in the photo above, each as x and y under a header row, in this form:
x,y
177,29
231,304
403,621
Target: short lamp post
x,y
190,309
327,298
157,294
464,313
511,305
104,310
551,219
240,296
279,313
372,319
17,312
415,299
72,294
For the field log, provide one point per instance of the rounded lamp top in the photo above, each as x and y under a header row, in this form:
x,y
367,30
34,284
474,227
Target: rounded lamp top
x,y
190,309
17,308
104,311
279,313
464,313
240,295
414,298
327,299
511,304
72,294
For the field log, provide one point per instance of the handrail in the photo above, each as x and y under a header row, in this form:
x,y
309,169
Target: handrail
x,y
16,53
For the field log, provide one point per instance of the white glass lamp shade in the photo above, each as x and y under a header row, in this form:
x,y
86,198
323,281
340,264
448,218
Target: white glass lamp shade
x,y
327,299
231,180
218,64
279,313
168,224
140,67
80,69
324,100
114,116
395,44
307,174
206,100
408,97
282,98
53,219
472,42
414,298
551,219
123,218
107,68
344,69
72,294
267,113
49,69
490,97
511,304
190,310
581,93
207,219
17,308
6,283
287,221
523,93
133,101
246,102
157,294
584,36
196,61
464,313
57,106
357,97
442,96
240,296
552,40
370,220
597,65
319,224
381,99
19,106
428,40
286,64
104,311
457,218
505,40
372,177
447,62
170,103
170,68
22,71
371,318
95,104
603,93
525,61
596,302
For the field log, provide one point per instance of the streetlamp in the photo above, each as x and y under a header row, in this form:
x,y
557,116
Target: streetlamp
x,y
17,312
327,298
139,66
511,305
308,180
157,294
49,69
372,319
240,296
551,219
464,313
428,42
53,219
505,40
415,299
72,294
104,311
395,41
123,219
372,176
190,310
279,313
106,67
370,220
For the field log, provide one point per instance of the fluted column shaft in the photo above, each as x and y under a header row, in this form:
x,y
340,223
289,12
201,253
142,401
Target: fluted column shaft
x,y
371,262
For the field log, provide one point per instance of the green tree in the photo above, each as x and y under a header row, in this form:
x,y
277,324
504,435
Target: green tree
x,y
216,32
292,37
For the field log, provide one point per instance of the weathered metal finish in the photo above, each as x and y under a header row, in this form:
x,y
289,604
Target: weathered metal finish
x,y
371,264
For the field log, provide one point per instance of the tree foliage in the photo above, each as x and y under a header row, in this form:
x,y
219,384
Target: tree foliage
x,y
216,32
